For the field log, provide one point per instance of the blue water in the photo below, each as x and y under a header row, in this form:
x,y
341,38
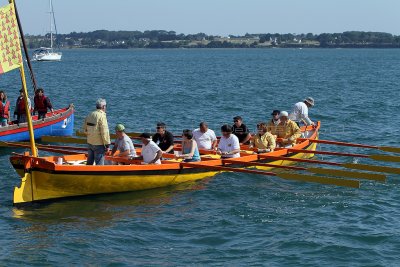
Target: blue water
x,y
231,219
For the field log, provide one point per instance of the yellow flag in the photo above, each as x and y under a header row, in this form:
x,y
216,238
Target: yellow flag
x,y
10,48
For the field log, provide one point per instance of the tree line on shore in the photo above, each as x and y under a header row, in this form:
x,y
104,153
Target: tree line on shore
x,y
170,39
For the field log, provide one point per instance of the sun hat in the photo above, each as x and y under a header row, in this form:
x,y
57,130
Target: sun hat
x,y
310,101
284,114
120,127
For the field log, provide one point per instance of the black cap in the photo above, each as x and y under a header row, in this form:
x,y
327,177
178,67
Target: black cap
x,y
145,135
276,112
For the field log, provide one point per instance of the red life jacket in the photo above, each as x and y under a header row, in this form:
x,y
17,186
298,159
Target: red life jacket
x,y
20,106
4,110
41,103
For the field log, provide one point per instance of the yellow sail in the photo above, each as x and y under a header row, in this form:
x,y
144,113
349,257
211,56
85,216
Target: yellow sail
x,y
10,48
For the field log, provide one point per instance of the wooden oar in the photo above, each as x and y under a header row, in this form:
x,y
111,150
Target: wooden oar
x,y
287,176
325,171
374,157
329,142
373,168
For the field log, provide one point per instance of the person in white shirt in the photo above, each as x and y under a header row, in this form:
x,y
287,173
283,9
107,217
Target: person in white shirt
x,y
205,137
228,146
300,112
151,153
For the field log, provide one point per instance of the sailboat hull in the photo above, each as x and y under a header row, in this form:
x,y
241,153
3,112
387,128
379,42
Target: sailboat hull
x,y
50,56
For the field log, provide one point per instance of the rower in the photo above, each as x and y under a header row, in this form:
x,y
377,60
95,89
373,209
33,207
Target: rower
x,y
273,123
240,130
263,141
20,111
4,109
164,139
205,137
288,130
228,146
151,153
190,150
300,112
123,146
42,104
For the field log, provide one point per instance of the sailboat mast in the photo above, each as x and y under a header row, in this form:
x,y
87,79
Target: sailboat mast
x,y
51,23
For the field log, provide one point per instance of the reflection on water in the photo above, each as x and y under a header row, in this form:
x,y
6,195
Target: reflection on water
x,y
101,210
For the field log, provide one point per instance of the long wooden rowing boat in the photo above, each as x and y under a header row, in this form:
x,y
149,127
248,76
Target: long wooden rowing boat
x,y
59,123
43,178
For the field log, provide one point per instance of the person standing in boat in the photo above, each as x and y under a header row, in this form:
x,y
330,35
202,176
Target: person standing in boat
x,y
240,130
151,153
205,137
123,143
164,139
263,141
20,110
42,104
288,131
190,151
4,109
300,112
98,135
274,122
228,146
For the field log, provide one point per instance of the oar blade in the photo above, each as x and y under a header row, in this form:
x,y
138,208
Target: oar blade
x,y
349,174
320,179
390,149
385,158
372,168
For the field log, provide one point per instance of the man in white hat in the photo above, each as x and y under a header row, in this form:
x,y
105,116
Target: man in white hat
x,y
300,112
287,131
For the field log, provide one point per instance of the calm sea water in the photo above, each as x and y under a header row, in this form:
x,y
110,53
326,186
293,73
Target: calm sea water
x,y
232,219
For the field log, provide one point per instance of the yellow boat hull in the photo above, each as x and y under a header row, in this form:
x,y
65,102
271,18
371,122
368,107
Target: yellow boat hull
x,y
38,185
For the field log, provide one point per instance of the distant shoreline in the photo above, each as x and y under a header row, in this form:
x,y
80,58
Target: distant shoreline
x,y
102,39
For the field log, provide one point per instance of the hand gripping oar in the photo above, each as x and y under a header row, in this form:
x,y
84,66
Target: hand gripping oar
x,y
287,176
329,142
373,168
374,157
325,171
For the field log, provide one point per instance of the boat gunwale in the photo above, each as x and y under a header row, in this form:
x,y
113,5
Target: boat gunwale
x,y
59,115
47,164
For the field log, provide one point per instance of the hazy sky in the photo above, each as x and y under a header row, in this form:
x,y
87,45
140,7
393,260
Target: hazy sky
x,y
217,17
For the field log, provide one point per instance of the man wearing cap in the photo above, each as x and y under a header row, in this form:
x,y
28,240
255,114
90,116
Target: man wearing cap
x,y
288,131
300,112
98,135
151,152
274,122
123,144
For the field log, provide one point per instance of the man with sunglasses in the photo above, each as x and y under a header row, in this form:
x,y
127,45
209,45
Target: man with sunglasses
x,y
240,130
164,139
272,125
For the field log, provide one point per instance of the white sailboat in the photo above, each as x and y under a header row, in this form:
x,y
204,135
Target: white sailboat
x,y
48,53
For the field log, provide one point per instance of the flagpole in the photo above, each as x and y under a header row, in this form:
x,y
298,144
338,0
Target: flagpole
x,y
27,108
28,60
